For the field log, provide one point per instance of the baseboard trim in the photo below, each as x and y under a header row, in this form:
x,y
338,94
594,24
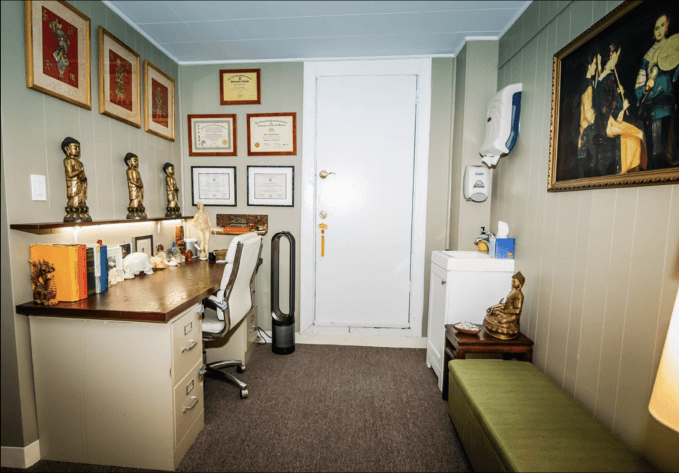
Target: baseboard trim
x,y
360,340
20,457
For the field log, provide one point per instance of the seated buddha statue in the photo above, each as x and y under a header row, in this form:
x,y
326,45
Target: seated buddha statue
x,y
502,320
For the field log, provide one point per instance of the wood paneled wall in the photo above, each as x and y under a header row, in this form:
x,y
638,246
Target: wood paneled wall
x,y
601,266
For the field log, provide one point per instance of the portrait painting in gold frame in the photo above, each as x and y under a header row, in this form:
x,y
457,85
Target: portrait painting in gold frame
x,y
614,108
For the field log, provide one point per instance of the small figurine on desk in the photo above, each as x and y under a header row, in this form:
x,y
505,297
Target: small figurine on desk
x,y
502,320
135,187
76,183
44,284
172,209
201,220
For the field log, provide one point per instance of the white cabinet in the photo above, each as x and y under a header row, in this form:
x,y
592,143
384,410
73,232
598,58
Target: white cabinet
x,y
463,284
118,393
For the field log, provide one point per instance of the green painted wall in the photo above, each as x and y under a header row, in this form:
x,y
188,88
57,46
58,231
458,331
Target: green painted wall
x,y
601,266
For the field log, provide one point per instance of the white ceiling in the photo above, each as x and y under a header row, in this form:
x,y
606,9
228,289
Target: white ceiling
x,y
240,31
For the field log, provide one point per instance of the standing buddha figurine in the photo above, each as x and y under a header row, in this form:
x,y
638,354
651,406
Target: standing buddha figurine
x,y
76,183
172,209
135,188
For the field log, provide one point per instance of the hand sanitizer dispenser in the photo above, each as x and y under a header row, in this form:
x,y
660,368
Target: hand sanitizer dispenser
x,y
476,180
502,124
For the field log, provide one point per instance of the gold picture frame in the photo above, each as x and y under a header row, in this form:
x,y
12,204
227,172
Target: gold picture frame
x,y
119,80
158,102
606,123
58,51
240,86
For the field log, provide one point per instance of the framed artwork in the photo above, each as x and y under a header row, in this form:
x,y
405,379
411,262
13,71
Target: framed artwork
x,y
271,186
58,51
272,134
115,257
212,135
158,102
240,87
614,108
125,248
144,244
119,80
213,185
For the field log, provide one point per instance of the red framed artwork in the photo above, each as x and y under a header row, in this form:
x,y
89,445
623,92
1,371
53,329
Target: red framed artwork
x,y
159,102
58,51
119,95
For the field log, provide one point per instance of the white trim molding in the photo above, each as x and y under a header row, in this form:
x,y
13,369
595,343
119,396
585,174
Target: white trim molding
x,y
312,70
20,457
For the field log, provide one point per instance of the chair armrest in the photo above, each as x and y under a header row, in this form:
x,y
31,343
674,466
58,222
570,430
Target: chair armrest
x,y
214,305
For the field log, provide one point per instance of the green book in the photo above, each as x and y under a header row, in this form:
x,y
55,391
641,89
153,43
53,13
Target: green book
x,y
91,275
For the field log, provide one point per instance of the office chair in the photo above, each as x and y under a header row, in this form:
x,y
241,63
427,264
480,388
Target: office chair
x,y
234,301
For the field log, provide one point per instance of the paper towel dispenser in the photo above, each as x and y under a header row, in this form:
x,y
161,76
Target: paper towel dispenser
x,y
502,124
476,181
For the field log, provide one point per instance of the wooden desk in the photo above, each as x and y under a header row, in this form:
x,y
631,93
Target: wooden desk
x,y
459,344
111,387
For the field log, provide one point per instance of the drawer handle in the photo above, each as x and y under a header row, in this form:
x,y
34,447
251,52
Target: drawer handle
x,y
195,401
190,347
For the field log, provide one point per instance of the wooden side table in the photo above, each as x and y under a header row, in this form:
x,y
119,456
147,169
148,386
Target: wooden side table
x,y
459,344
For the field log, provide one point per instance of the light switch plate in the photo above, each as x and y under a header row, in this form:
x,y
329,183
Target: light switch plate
x,y
38,187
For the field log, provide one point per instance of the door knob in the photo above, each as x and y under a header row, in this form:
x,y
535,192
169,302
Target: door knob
x,y
323,174
323,214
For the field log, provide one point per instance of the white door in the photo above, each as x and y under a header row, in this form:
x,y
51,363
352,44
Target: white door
x,y
368,137
365,137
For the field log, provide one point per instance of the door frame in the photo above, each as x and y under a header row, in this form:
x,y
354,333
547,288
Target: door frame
x,y
420,67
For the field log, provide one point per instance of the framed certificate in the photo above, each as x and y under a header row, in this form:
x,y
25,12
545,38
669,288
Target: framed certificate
x,y
240,87
213,185
272,134
212,135
58,51
119,73
158,102
271,186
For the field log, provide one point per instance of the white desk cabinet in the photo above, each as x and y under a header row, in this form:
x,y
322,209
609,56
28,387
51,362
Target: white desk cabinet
x,y
118,393
462,285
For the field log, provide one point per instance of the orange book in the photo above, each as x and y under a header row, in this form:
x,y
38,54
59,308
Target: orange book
x,y
82,270
65,262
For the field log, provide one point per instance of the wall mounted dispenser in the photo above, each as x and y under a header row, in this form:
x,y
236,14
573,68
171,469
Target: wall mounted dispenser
x,y
476,183
502,124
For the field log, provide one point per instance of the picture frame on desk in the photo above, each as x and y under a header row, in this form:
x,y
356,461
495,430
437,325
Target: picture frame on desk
x,y
115,257
144,244
126,249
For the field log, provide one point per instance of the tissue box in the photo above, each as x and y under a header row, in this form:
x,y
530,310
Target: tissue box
x,y
504,248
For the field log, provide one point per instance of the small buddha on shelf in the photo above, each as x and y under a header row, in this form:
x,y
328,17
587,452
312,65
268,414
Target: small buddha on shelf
x,y
172,209
76,183
502,320
135,187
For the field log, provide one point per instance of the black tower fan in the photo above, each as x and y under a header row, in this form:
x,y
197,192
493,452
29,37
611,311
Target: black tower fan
x,y
283,325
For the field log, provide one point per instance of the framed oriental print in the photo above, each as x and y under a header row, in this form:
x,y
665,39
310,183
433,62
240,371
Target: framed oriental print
x,y
240,87
58,51
212,135
158,102
272,134
119,73
615,121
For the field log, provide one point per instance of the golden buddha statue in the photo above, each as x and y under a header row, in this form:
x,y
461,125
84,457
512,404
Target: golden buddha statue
x,y
76,183
502,320
135,188
172,209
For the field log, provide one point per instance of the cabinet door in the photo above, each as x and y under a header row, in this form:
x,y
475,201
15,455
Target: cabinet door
x,y
437,315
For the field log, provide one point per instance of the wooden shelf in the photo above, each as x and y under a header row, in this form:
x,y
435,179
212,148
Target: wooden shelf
x,y
37,227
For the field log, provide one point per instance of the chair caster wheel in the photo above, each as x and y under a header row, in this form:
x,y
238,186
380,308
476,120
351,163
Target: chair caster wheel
x,y
240,369
243,393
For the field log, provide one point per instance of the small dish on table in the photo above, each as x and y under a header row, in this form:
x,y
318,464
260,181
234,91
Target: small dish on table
x,y
467,327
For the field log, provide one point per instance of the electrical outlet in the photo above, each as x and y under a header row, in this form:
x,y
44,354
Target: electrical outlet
x,y
38,187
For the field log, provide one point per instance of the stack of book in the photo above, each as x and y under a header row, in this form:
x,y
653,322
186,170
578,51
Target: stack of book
x,y
80,270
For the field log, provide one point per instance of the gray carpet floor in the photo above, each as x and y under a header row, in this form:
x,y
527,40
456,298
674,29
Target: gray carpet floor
x,y
322,408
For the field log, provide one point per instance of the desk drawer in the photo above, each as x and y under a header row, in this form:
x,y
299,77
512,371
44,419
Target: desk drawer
x,y
188,401
187,342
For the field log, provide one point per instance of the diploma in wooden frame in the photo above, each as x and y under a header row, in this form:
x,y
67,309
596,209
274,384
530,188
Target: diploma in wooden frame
x,y
272,134
240,87
213,185
271,186
212,135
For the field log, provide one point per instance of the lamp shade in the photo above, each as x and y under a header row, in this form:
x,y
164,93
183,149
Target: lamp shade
x,y
664,404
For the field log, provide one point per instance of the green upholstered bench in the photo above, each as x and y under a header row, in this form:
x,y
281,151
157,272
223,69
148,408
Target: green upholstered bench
x,y
510,417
